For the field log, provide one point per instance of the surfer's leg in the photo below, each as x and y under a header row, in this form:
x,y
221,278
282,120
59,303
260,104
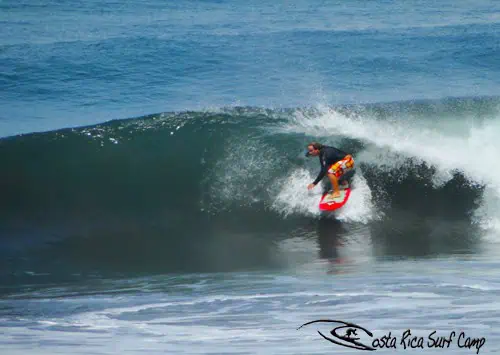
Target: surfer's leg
x,y
337,170
335,185
345,171
333,177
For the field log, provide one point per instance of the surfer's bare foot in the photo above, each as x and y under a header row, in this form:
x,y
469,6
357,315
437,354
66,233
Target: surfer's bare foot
x,y
335,194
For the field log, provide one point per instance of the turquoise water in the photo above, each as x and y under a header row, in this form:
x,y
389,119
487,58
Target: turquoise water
x,y
69,64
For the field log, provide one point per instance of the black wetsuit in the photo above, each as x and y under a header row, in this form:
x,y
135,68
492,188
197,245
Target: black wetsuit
x,y
327,157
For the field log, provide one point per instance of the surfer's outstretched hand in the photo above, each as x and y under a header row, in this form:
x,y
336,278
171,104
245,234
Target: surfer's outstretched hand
x,y
310,186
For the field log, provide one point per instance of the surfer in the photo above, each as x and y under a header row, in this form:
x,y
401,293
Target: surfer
x,y
334,162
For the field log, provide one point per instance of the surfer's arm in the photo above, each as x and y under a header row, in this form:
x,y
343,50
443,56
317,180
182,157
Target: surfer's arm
x,y
321,174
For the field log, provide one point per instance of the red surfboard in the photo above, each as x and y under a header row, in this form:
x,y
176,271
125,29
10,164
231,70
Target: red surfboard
x,y
327,203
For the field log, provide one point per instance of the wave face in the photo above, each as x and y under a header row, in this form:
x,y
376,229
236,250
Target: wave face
x,y
212,190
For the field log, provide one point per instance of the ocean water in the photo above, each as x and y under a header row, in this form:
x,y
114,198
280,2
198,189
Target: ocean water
x,y
153,189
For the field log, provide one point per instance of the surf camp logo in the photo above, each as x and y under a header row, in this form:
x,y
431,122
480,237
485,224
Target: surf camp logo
x,y
354,336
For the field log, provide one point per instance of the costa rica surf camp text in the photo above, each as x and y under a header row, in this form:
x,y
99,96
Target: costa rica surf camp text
x,y
354,336
433,340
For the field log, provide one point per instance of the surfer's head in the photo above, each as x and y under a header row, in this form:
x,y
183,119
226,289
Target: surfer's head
x,y
313,149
